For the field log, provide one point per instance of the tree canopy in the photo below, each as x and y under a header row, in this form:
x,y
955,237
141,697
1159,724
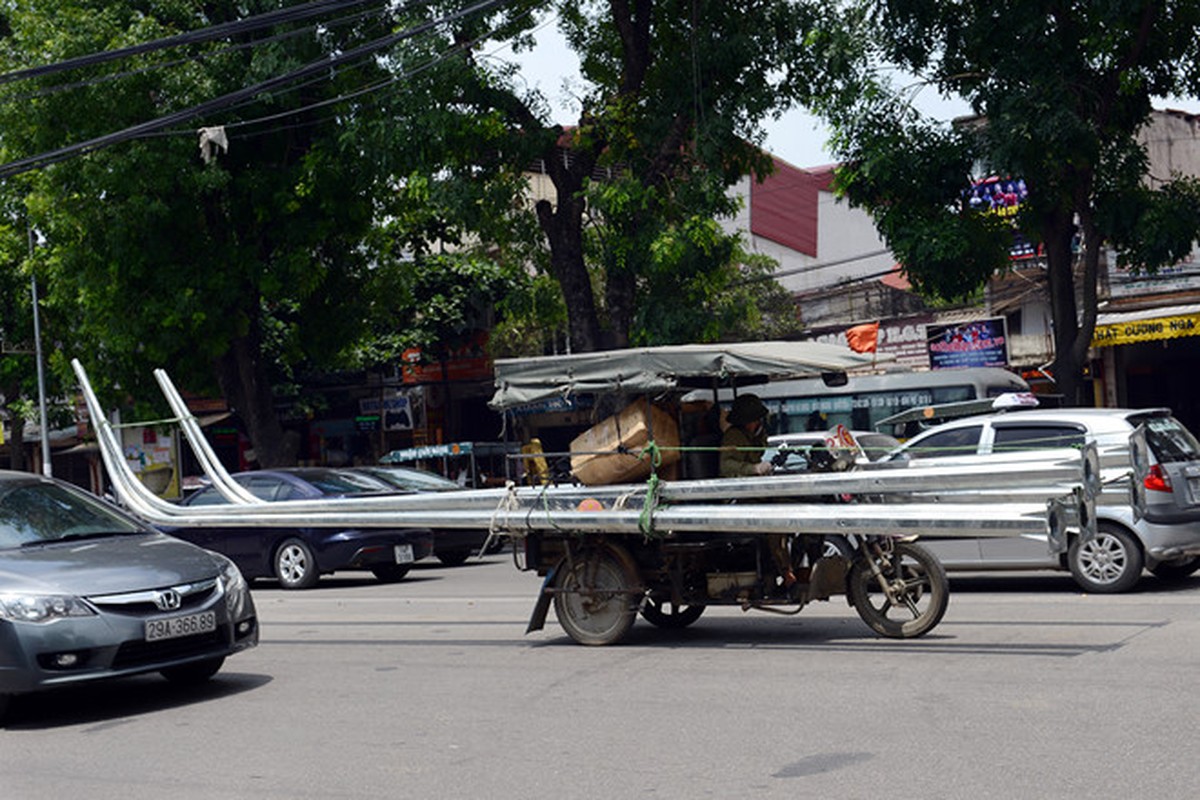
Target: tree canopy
x,y
233,264
380,200
1060,91
669,118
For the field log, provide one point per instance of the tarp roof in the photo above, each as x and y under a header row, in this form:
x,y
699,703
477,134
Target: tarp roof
x,y
657,369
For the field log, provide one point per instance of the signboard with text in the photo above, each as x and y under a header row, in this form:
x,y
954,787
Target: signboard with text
x,y
982,343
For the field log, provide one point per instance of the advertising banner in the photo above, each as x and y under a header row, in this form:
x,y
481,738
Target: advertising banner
x,y
1003,197
982,343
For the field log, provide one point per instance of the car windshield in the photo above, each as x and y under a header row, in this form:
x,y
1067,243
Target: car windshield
x,y
414,479
345,483
36,513
1169,440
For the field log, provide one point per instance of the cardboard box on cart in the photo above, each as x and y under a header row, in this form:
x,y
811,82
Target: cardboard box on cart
x,y
595,459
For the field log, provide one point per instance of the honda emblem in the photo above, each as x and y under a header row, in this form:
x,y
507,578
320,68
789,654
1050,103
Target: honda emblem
x,y
167,600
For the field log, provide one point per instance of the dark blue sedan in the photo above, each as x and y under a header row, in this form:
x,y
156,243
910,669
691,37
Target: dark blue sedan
x,y
297,557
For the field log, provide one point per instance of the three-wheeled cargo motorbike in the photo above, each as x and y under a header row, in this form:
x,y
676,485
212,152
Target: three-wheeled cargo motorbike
x,y
635,533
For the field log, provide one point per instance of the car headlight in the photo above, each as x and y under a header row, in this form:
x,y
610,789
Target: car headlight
x,y
235,586
42,607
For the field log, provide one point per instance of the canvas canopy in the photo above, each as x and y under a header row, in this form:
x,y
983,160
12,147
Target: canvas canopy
x,y
656,369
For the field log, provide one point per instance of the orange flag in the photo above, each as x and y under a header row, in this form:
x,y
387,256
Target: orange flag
x,y
863,338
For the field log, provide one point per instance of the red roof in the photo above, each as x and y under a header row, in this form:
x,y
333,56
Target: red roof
x,y
783,207
896,279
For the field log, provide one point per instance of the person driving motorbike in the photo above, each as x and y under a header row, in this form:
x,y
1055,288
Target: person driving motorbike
x,y
742,448
745,440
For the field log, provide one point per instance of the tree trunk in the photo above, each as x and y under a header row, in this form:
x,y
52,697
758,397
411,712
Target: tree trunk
x,y
16,445
1060,276
562,223
247,389
619,298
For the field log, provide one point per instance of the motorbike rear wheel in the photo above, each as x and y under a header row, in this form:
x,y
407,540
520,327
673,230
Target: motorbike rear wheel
x,y
916,596
595,597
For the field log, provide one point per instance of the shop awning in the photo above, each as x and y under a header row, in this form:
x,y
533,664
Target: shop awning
x,y
1146,325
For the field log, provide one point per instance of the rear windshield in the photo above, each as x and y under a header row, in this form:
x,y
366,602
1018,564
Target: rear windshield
x,y
1018,437
1169,440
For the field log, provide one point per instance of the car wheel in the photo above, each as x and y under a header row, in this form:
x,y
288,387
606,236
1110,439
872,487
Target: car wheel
x,y
1177,569
295,566
4,701
1109,563
390,573
192,674
454,558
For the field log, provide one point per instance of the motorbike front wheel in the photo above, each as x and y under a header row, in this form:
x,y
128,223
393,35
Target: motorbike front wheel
x,y
913,595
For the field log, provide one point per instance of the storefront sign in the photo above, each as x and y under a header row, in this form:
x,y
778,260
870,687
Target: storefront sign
x,y
1182,276
903,339
153,455
395,412
468,362
1146,330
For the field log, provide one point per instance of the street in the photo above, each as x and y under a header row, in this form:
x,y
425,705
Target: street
x,y
429,688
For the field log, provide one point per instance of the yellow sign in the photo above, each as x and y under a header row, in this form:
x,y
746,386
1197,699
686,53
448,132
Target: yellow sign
x,y
1146,330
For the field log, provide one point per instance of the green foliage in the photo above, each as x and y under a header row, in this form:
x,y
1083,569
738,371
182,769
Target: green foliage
x,y
671,106
1152,228
1061,91
912,176
531,320
160,258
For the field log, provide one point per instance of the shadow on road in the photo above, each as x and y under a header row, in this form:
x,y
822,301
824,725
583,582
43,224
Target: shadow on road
x,y
1054,583
111,704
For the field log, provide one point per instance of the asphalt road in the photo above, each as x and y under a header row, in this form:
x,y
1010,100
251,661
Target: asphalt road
x,y
430,689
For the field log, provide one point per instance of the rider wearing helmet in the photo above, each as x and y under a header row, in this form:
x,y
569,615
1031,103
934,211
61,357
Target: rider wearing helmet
x,y
745,441
742,449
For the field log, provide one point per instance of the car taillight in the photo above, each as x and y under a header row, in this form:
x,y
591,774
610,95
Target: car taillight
x,y
1156,480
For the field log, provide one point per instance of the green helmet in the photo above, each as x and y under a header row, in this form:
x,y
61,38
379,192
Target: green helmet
x,y
746,408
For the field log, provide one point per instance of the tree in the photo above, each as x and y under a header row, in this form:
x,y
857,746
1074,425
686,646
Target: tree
x,y
670,117
19,395
1061,91
227,269
17,368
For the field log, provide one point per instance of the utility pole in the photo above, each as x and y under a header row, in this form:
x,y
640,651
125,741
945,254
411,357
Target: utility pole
x,y
47,469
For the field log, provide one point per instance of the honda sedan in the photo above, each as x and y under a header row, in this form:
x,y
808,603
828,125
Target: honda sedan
x,y
87,592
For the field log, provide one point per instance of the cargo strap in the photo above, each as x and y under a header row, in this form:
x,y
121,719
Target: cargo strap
x,y
646,518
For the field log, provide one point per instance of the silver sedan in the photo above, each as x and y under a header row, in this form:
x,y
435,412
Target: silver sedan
x,y
87,593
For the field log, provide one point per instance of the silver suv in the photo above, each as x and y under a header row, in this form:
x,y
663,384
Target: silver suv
x,y
1113,561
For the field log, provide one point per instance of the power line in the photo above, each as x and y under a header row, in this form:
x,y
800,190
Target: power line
x,y
218,103
46,91
819,266
220,30
455,50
